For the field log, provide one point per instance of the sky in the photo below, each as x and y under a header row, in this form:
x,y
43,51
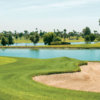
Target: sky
x,y
48,15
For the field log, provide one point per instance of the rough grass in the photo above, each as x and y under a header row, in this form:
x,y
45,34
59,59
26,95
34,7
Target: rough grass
x,y
23,40
78,46
16,80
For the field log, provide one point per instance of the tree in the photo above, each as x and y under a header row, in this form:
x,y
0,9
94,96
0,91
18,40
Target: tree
x,y
87,31
48,38
26,35
87,38
64,35
95,32
92,37
10,40
70,34
3,41
36,30
34,38
20,35
25,32
41,33
59,33
57,39
16,36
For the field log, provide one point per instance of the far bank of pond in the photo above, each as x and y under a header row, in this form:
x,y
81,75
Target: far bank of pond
x,y
77,45
42,44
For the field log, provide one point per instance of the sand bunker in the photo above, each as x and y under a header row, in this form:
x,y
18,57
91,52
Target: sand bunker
x,y
86,80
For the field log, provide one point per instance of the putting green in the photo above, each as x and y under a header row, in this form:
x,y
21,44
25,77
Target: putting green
x,y
6,60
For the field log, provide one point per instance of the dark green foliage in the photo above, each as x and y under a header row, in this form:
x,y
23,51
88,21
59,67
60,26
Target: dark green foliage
x,y
92,37
34,38
20,35
10,40
87,31
4,41
26,35
60,43
41,33
87,38
65,34
48,38
16,36
65,43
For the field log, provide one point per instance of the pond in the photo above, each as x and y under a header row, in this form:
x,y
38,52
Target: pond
x,y
82,54
27,44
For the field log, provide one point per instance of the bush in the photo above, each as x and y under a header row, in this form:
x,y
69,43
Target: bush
x,y
60,43
66,43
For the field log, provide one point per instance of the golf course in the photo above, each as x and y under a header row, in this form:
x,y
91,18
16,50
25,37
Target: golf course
x,y
16,81
49,50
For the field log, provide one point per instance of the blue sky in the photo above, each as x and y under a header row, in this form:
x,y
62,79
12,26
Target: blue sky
x,y
49,14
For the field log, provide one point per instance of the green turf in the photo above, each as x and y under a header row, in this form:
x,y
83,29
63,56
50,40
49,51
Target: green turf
x,y
23,40
16,80
6,60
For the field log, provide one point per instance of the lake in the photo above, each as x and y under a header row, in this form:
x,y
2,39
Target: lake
x,y
82,54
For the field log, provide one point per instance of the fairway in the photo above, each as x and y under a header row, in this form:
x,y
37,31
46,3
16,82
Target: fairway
x,y
16,79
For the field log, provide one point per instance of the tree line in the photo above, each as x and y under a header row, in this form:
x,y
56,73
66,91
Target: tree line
x,y
8,37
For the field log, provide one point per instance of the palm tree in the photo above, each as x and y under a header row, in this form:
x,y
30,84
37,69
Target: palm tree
x,y
64,35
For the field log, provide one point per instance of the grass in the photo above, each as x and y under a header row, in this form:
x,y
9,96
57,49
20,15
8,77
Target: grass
x,y
23,40
16,79
74,39
5,60
78,46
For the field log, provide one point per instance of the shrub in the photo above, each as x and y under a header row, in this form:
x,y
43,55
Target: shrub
x,y
60,43
66,43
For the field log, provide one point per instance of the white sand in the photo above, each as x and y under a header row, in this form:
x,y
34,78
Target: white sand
x,y
86,80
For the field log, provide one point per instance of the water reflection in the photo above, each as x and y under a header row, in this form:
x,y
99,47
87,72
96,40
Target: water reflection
x,y
82,54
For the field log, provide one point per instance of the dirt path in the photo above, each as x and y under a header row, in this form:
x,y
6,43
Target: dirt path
x,y
86,80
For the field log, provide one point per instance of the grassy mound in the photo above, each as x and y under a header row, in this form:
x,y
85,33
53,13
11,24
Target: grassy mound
x,y
16,80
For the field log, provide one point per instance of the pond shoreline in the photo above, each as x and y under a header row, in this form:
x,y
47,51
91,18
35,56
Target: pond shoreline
x,y
53,46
